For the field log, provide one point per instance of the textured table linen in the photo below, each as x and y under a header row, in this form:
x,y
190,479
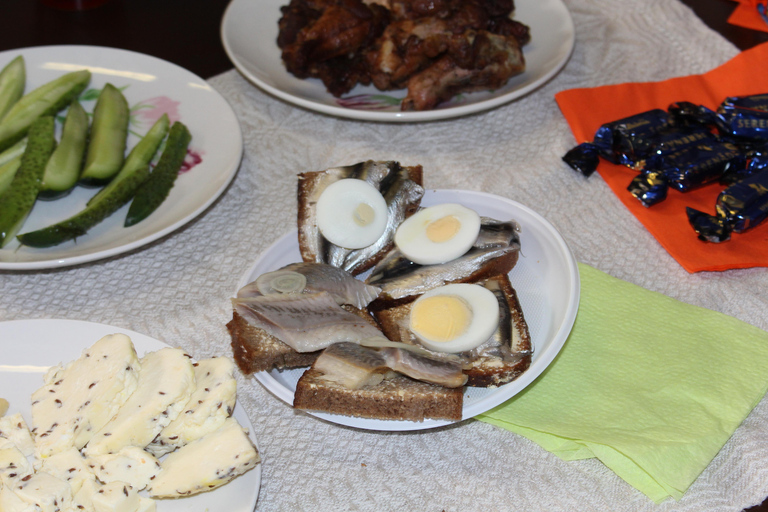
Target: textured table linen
x,y
178,289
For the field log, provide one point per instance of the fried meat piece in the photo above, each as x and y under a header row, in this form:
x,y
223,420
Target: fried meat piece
x,y
453,50
326,38
487,63
435,48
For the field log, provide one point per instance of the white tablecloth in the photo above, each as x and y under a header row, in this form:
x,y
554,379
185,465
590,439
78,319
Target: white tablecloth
x,y
178,288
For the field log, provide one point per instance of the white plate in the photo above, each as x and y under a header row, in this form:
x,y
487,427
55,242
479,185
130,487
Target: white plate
x,y
160,87
249,33
546,279
30,347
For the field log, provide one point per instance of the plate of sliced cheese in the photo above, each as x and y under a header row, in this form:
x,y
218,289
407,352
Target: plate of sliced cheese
x,y
101,417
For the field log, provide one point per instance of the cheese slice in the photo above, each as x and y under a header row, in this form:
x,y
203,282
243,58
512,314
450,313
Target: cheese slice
x,y
79,398
115,497
83,498
205,464
146,505
131,465
13,466
69,466
46,492
13,429
166,381
9,502
209,406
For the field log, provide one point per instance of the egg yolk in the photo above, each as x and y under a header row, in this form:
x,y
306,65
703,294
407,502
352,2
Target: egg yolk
x,y
443,229
363,214
440,318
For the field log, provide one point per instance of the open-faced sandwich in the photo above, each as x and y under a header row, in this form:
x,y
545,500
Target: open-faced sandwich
x,y
395,308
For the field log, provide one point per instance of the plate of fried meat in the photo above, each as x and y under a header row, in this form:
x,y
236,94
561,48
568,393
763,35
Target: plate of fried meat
x,y
398,60
393,308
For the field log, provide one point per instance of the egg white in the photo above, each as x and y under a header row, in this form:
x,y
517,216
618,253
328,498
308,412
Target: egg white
x,y
483,323
412,240
335,213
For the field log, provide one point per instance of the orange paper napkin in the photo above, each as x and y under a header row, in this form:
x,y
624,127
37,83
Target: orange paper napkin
x,y
745,15
587,109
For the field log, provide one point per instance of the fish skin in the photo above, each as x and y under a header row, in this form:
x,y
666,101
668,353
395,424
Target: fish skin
x,y
321,277
435,370
354,366
401,193
305,322
400,278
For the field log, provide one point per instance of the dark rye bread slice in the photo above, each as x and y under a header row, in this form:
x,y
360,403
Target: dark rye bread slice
x,y
395,398
255,350
481,371
308,183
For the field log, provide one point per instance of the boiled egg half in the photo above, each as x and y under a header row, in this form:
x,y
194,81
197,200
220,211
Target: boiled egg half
x,y
455,317
351,213
438,233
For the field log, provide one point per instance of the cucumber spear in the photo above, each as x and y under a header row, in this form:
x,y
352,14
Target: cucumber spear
x,y
10,159
63,168
79,224
13,79
141,155
8,171
154,191
17,200
46,100
109,133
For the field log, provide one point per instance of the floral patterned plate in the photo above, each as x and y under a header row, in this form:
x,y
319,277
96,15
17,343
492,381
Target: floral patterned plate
x,y
152,87
249,33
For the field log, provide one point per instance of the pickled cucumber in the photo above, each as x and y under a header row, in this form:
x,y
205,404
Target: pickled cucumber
x,y
79,224
13,79
63,168
8,171
10,159
109,134
154,191
46,100
142,153
17,200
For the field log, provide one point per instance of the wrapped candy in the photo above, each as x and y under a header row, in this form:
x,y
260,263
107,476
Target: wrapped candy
x,y
739,207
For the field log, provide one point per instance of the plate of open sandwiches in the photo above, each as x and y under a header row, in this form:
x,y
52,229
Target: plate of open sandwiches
x,y
398,60
392,307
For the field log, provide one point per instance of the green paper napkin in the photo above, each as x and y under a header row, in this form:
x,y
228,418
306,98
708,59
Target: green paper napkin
x,y
651,386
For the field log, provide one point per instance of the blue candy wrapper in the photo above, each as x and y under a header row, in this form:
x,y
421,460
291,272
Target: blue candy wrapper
x,y
739,207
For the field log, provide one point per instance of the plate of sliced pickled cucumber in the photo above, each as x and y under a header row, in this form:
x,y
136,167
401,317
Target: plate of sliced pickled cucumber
x,y
103,151
96,417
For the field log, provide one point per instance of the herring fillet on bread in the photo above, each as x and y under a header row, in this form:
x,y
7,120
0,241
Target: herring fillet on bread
x,y
495,252
499,360
401,187
256,350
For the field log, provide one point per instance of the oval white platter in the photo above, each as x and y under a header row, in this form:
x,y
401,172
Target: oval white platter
x,y
546,279
151,86
249,34
30,347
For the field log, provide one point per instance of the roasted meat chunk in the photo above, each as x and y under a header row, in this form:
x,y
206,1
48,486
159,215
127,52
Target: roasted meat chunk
x,y
326,38
434,48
